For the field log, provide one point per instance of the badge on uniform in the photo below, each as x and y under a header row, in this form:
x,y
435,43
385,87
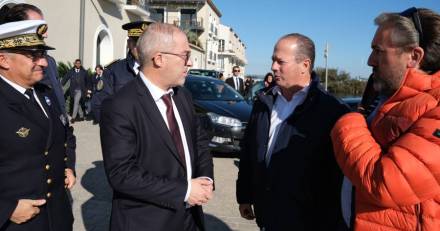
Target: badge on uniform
x,y
48,102
23,132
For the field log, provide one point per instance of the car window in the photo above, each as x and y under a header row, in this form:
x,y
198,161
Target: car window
x,y
212,90
203,73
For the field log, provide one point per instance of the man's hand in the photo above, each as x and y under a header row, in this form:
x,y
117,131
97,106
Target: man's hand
x,y
201,191
70,179
246,211
26,209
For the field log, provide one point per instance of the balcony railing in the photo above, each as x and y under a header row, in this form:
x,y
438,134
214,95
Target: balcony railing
x,y
140,3
191,25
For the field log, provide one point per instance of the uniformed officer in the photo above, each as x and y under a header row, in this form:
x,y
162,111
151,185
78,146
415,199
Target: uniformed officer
x,y
117,74
33,136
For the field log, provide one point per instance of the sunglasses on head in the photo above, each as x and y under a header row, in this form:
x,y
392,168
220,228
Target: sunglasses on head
x,y
413,14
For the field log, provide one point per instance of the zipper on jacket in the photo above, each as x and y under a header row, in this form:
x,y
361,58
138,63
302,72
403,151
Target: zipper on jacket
x,y
419,218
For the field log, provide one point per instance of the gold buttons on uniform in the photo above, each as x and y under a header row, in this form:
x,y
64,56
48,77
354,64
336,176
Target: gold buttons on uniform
x,y
46,153
65,158
47,167
48,195
65,145
49,181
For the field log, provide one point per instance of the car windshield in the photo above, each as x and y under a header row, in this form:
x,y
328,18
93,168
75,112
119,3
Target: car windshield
x,y
205,89
203,73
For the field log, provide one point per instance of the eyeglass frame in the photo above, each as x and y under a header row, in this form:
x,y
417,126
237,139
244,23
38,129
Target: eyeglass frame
x,y
413,14
34,55
185,57
236,70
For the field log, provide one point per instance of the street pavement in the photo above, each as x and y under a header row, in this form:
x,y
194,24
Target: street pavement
x,y
92,194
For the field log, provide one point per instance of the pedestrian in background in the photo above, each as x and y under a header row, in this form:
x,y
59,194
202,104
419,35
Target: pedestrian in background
x,y
156,154
392,156
288,178
79,80
236,81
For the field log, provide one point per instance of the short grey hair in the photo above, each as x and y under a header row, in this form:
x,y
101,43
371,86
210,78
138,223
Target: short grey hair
x,y
158,37
305,48
403,33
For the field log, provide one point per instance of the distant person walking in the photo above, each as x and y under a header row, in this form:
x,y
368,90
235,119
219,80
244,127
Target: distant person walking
x,y
78,86
236,81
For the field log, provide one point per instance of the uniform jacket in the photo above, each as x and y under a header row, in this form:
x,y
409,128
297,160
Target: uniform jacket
x,y
142,164
300,188
33,159
395,164
231,83
51,79
115,77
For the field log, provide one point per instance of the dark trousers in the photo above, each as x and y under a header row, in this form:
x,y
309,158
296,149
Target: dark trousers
x,y
189,223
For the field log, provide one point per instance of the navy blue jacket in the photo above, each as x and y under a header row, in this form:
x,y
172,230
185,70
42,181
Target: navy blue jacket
x,y
32,159
115,77
300,188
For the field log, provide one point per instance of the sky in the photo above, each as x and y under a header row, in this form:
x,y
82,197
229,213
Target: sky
x,y
346,25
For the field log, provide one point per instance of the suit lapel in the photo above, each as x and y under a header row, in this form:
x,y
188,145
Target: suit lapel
x,y
156,119
19,103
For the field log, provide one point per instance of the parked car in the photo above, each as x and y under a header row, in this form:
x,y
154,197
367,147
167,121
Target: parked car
x,y
352,102
204,72
223,111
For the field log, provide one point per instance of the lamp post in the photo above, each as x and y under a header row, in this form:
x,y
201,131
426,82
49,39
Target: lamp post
x,y
326,69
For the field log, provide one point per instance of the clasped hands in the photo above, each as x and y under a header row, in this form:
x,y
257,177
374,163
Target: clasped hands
x,y
201,191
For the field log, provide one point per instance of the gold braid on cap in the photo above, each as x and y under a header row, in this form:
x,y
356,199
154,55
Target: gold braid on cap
x,y
135,32
23,40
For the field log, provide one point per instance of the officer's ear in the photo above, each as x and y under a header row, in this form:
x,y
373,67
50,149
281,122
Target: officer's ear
x,y
416,57
4,62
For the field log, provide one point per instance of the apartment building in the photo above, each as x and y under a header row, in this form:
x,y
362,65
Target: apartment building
x,y
231,51
200,19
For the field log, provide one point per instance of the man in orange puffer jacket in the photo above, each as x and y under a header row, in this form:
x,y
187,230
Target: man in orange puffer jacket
x,y
392,157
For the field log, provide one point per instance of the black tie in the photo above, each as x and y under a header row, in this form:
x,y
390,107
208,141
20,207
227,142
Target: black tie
x,y
30,93
174,127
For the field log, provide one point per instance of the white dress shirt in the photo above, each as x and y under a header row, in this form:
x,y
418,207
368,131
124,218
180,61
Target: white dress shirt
x,y
22,90
136,67
157,94
281,110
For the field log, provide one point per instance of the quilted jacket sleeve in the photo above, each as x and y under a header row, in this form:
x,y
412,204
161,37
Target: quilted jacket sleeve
x,y
405,174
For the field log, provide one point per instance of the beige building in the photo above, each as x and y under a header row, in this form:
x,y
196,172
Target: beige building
x,y
87,29
232,51
200,19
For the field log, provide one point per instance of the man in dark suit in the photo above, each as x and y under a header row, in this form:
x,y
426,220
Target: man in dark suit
x,y
288,178
79,80
119,73
156,154
34,136
236,81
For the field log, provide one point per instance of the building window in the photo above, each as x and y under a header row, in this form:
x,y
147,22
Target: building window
x,y
157,14
188,18
221,45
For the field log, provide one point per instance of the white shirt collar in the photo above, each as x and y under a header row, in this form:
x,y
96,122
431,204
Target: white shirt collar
x,y
14,85
302,93
136,67
155,91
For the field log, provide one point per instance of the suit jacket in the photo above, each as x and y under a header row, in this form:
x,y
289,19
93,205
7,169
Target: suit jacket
x,y
231,83
51,79
78,80
300,187
33,159
115,76
142,163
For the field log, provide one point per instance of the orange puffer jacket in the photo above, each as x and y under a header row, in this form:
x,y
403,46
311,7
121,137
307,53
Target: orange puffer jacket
x,y
395,165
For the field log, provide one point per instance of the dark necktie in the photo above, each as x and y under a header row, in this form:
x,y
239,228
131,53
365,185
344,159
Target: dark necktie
x,y
174,127
30,93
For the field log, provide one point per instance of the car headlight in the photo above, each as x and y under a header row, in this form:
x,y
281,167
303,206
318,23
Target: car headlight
x,y
224,120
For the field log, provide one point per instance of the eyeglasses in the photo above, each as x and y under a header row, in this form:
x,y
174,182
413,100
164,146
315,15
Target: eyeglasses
x,y
31,54
185,57
413,14
236,70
